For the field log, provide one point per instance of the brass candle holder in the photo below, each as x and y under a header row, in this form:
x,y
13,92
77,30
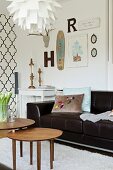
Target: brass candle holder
x,y
39,78
31,75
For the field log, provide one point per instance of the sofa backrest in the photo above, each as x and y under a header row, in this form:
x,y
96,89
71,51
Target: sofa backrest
x,y
101,101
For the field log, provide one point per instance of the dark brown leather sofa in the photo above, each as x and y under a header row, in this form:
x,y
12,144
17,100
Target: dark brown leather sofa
x,y
99,134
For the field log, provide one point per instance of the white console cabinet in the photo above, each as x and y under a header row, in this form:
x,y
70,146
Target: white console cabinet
x,y
33,95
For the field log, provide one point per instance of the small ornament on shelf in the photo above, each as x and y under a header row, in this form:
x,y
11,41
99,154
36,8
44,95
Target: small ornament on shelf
x,y
39,78
31,75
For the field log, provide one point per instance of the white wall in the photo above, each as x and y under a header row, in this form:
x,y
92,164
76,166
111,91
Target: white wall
x,y
95,75
110,63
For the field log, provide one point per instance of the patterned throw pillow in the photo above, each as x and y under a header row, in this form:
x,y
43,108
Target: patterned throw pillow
x,y
68,103
83,90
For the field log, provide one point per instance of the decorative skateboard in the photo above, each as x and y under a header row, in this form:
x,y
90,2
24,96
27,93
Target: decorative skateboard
x,y
60,50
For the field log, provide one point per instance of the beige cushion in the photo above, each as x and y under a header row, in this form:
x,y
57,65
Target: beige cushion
x,y
68,103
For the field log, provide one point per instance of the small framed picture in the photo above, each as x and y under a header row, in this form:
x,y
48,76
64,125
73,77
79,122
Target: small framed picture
x,y
93,38
94,52
77,49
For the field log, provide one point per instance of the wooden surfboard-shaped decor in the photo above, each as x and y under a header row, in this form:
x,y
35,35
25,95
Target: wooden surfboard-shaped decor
x,y
60,50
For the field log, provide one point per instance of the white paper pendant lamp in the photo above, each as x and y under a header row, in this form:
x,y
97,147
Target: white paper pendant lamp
x,y
34,15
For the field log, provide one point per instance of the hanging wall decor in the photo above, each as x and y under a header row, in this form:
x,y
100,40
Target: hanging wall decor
x,y
93,39
7,57
94,52
49,59
60,50
71,25
77,51
45,35
90,23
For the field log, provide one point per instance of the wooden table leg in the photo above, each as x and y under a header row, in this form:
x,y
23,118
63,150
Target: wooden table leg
x,y
53,149
21,149
38,155
31,153
51,153
14,153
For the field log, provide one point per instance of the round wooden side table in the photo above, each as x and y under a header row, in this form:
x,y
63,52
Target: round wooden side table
x,y
38,135
17,124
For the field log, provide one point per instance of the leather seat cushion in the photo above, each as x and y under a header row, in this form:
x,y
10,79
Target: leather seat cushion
x,y
68,121
103,129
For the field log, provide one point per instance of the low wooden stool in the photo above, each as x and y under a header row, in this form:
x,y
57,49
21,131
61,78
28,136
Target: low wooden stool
x,y
38,135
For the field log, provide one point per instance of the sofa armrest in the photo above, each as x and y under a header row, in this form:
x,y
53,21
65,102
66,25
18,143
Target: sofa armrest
x,y
35,110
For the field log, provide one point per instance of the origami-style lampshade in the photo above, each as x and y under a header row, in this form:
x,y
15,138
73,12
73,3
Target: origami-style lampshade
x,y
34,15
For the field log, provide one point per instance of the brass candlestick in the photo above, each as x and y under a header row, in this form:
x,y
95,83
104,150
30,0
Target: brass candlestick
x,y
39,78
31,76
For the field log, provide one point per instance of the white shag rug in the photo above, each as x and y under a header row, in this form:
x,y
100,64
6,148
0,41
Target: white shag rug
x,y
66,158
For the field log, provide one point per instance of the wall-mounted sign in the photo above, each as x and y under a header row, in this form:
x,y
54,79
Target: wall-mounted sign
x,y
88,24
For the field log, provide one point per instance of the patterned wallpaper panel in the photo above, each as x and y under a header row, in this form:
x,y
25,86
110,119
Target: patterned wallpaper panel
x,y
7,57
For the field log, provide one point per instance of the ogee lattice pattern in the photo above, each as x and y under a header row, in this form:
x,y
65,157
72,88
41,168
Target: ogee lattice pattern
x,y
7,56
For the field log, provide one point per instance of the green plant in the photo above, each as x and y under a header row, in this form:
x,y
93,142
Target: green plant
x,y
5,97
4,101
